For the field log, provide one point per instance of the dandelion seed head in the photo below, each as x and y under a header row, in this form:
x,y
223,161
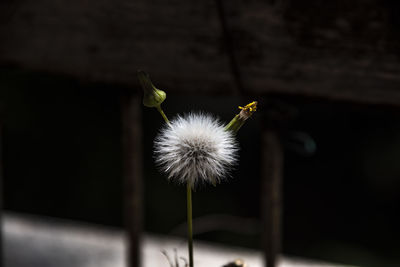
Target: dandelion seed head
x,y
195,148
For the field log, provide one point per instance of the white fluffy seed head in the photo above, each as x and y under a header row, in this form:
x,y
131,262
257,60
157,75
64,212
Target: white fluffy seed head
x,y
195,148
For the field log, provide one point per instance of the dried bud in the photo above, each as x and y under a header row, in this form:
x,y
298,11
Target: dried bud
x,y
245,113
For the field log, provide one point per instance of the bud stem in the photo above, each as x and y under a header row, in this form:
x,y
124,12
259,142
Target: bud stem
x,y
162,114
235,124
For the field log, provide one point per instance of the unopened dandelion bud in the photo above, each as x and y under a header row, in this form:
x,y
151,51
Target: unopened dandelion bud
x,y
152,97
245,113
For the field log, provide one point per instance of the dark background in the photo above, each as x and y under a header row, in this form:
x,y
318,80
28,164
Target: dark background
x,y
62,157
65,67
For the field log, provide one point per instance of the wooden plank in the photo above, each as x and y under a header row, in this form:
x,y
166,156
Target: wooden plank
x,y
1,195
177,41
340,50
336,50
37,241
133,176
271,196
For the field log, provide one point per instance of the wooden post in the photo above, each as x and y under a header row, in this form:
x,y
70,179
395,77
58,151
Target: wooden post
x,y
1,197
271,195
133,196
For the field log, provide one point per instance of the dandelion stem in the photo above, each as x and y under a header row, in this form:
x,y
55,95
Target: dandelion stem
x,y
162,114
189,223
235,124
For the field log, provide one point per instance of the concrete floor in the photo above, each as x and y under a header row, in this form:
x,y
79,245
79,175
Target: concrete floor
x,y
46,242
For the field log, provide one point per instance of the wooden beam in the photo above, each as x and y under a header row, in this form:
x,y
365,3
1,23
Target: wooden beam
x,y
318,50
1,197
178,42
336,51
133,184
271,196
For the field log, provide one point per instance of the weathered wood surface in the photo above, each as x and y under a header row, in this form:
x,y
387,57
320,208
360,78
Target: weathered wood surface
x,y
45,242
345,50
1,194
177,41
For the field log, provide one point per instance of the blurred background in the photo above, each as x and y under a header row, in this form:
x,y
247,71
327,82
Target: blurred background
x,y
65,69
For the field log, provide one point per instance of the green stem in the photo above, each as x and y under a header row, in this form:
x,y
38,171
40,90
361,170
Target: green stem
x,y
162,114
235,124
189,223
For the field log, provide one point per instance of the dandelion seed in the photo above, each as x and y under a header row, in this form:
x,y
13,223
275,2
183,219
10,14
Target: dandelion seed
x,y
195,148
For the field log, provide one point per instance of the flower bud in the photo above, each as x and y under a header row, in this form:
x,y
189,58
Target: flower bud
x,y
245,113
152,97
